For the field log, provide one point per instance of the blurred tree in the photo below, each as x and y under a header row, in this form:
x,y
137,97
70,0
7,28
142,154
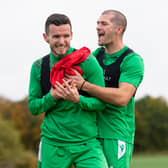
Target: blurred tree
x,y
12,153
24,122
151,124
151,117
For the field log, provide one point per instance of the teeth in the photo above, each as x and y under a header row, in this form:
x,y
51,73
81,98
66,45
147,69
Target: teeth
x,y
61,47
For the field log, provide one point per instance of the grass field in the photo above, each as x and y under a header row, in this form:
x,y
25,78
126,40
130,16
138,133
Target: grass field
x,y
149,161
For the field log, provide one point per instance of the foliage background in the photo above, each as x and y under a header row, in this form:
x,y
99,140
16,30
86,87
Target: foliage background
x,y
20,131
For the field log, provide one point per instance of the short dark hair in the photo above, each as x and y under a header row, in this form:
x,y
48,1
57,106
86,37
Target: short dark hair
x,y
118,18
57,19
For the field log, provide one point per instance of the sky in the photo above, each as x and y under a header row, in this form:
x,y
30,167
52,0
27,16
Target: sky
x,y
21,40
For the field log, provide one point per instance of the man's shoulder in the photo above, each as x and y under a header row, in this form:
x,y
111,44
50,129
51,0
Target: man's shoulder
x,y
133,60
96,52
37,63
90,61
133,56
90,57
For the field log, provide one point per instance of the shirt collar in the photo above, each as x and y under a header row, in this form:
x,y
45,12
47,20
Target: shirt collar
x,y
55,59
116,54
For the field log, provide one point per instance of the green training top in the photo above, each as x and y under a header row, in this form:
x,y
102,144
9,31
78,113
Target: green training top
x,y
65,122
117,122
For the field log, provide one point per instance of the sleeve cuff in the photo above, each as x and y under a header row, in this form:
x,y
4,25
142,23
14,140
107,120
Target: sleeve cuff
x,y
81,100
49,100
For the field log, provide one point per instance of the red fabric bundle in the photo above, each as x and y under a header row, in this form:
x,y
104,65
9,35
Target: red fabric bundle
x,y
67,64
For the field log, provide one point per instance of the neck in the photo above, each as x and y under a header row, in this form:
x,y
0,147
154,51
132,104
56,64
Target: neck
x,y
114,47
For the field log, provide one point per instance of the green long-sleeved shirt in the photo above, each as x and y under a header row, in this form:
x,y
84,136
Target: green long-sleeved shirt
x,y
64,121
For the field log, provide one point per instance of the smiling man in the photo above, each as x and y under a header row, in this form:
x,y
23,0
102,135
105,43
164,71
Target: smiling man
x,y
69,129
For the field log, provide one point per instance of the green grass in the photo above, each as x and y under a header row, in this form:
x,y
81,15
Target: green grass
x,y
149,161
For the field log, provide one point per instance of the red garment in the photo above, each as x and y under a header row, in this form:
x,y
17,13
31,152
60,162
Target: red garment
x,y
67,64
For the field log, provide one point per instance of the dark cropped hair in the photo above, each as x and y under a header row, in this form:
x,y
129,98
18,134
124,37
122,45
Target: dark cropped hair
x,y
56,19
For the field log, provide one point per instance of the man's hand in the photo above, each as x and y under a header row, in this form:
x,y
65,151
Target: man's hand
x,y
56,94
78,79
68,91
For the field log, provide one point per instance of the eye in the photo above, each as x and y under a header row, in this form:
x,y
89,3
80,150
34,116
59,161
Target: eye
x,y
56,36
104,23
67,36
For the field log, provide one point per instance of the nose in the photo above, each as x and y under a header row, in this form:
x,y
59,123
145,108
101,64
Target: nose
x,y
61,40
98,27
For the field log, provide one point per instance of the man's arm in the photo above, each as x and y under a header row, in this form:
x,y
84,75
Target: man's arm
x,y
129,81
115,96
69,91
92,73
37,102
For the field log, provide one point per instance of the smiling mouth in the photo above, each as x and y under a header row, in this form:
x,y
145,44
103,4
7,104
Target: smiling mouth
x,y
61,47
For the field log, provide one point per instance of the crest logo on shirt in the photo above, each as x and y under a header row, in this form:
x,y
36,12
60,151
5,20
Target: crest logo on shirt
x,y
121,148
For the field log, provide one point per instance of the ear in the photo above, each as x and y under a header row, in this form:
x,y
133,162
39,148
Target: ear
x,y
45,37
71,35
120,29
